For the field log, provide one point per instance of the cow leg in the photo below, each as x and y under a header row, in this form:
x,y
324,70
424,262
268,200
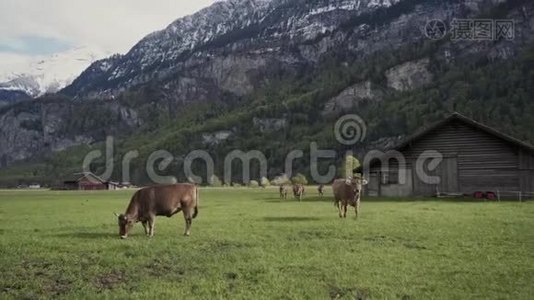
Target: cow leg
x,y
145,226
340,207
188,221
357,208
345,210
151,224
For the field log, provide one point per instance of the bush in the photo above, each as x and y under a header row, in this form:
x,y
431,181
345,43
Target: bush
x,y
253,184
280,180
349,166
299,179
215,181
265,182
235,184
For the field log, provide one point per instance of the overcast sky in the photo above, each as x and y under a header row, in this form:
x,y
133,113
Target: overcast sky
x,y
42,27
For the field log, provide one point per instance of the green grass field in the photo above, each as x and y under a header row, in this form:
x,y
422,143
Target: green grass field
x,y
248,244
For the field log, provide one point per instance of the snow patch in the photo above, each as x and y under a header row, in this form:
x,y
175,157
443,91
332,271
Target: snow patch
x,y
39,75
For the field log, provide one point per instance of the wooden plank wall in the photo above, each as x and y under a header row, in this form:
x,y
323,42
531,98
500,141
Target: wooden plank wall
x,y
484,162
526,166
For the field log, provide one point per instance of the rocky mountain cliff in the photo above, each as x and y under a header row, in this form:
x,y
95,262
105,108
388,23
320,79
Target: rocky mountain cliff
x,y
241,52
221,44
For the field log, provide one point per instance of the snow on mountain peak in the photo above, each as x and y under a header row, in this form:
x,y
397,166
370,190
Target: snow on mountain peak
x,y
36,76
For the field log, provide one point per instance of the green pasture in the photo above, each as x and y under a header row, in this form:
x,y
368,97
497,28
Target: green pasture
x,y
249,244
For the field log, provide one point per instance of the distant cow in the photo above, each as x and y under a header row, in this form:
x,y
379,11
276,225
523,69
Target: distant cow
x,y
283,192
162,200
298,191
320,189
348,192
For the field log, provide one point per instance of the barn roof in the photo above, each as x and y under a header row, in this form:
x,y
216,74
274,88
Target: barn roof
x,y
468,121
76,177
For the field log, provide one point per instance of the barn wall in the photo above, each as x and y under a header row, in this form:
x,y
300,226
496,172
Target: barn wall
x,y
373,188
526,166
443,179
88,185
402,189
484,162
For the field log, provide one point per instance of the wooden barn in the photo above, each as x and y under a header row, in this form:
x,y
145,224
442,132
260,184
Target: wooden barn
x,y
88,181
474,159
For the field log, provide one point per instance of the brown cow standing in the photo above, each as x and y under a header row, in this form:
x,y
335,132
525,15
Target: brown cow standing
x,y
348,192
298,191
320,189
283,192
162,200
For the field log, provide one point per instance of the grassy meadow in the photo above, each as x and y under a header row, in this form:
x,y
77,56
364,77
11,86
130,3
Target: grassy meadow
x,y
249,244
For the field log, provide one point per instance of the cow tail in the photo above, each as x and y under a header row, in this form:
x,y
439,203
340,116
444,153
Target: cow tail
x,y
195,214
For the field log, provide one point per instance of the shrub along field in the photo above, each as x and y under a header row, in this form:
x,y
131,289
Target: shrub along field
x,y
248,244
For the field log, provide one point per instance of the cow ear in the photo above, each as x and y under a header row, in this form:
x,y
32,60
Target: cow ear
x,y
365,182
348,181
116,214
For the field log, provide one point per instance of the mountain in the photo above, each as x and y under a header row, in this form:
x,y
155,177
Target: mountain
x,y
275,75
249,34
48,74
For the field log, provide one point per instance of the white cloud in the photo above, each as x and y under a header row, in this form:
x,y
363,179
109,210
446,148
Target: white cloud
x,y
112,26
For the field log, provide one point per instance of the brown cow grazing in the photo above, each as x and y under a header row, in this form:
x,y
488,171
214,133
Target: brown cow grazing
x,y
348,192
298,191
161,200
283,192
320,189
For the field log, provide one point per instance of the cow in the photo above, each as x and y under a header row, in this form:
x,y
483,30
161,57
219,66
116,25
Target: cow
x,y
161,200
298,191
320,189
348,192
283,192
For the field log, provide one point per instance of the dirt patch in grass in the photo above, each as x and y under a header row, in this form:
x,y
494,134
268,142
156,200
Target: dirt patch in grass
x,y
226,245
290,219
50,276
310,235
164,267
57,286
352,293
230,276
383,240
109,280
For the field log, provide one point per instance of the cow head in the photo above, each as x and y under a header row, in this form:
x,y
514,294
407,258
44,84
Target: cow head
x,y
356,184
125,224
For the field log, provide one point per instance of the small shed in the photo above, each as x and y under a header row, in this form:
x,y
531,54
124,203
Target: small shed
x,y
472,158
88,181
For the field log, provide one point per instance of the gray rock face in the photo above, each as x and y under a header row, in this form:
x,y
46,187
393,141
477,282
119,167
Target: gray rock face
x,y
267,125
234,46
38,128
20,136
351,97
409,76
216,138
256,33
